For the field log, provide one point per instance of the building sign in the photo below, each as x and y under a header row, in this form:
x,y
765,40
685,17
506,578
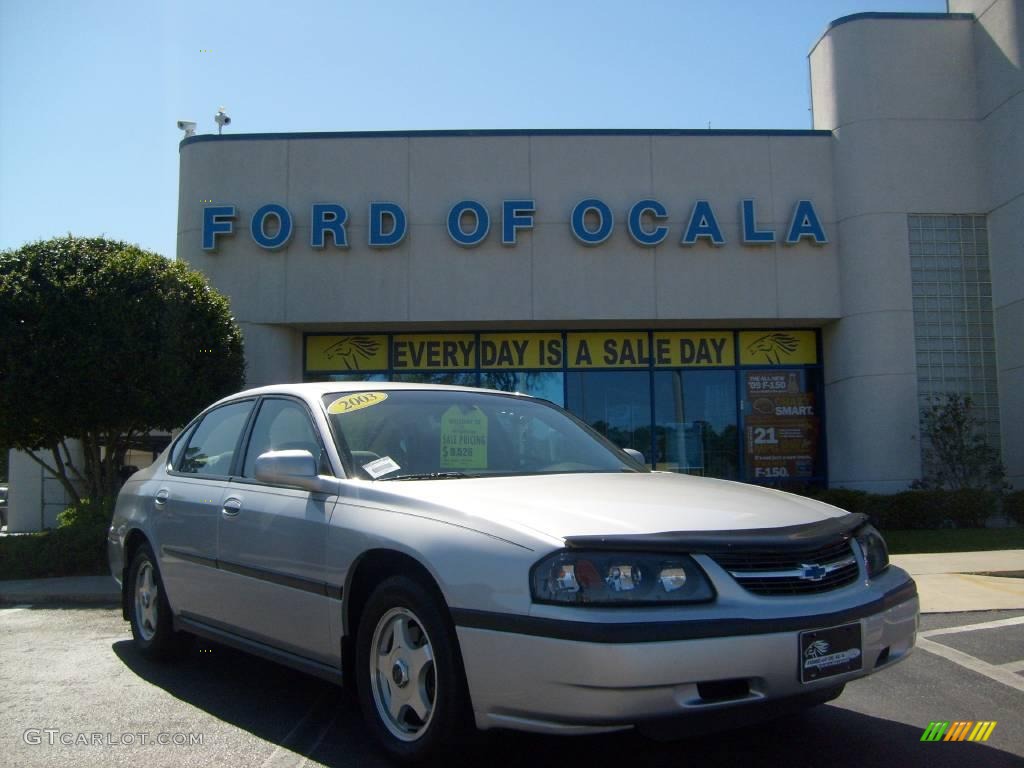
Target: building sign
x,y
778,348
468,224
575,350
520,350
347,353
423,352
782,427
693,349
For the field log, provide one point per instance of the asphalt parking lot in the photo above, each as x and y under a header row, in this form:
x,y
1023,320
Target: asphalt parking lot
x,y
74,692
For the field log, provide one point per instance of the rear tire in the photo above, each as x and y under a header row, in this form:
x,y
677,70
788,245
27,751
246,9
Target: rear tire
x,y
149,613
411,684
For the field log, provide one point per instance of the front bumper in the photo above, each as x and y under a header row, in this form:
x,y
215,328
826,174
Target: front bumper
x,y
563,683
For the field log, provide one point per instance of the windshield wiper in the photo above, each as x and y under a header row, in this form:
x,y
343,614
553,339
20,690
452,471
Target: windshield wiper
x,y
427,476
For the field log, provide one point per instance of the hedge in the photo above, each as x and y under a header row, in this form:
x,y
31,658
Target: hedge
x,y
921,510
1013,506
76,547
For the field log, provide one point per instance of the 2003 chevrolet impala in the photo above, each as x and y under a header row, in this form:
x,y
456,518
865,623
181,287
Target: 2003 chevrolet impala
x,y
476,557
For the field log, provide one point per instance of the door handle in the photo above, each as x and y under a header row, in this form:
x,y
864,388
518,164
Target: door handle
x,y
160,500
231,507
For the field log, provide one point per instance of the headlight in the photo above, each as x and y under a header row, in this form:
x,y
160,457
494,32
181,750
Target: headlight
x,y
616,578
876,554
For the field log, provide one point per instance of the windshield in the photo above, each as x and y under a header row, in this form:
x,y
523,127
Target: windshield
x,y
426,434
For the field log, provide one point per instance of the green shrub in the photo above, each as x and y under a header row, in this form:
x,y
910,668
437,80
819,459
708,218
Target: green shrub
x,y
919,509
1013,506
77,547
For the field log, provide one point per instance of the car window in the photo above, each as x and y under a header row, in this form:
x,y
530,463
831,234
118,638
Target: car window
x,y
211,448
449,432
281,425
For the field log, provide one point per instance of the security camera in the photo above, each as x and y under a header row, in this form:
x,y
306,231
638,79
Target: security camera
x,y
222,119
188,127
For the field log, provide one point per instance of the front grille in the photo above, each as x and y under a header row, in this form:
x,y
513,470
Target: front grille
x,y
792,572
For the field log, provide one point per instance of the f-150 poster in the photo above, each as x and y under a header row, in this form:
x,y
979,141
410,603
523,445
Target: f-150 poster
x,y
781,427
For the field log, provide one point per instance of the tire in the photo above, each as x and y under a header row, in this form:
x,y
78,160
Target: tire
x,y
411,684
149,613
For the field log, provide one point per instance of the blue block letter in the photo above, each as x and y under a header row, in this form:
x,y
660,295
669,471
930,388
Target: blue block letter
x,y
805,224
604,224
379,237
259,226
478,233
703,224
636,226
217,220
328,217
515,215
751,234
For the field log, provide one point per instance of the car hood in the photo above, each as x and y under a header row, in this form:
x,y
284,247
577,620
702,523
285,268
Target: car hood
x,y
559,506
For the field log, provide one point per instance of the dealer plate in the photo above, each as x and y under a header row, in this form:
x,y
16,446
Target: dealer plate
x,y
829,652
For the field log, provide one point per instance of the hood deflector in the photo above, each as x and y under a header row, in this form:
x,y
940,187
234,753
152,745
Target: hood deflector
x,y
790,538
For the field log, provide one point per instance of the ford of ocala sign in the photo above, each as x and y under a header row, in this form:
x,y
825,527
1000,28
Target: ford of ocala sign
x,y
469,224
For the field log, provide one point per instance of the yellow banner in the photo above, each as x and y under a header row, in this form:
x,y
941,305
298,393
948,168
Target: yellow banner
x,y
693,349
520,350
630,349
778,348
347,353
424,352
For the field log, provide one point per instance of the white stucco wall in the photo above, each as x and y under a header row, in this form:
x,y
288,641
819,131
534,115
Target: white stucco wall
x,y
911,102
547,276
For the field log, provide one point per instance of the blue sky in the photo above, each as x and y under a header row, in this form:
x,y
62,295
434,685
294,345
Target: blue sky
x,y
90,91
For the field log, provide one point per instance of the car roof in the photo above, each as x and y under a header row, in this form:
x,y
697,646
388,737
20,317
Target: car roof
x,y
316,390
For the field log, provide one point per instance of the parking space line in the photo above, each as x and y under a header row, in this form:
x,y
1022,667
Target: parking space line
x,y
974,627
998,673
284,754
1013,666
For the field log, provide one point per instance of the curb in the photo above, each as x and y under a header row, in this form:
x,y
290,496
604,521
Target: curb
x,y
70,598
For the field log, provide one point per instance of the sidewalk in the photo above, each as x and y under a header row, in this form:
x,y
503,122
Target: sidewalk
x,y
947,583
967,581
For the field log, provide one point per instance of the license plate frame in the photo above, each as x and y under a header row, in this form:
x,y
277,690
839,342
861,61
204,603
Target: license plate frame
x,y
830,652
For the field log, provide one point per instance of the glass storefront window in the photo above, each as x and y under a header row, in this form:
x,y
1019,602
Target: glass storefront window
x,y
615,403
452,378
733,404
695,427
782,426
549,386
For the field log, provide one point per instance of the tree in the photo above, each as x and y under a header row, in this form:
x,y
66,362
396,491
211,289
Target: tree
x,y
956,454
101,341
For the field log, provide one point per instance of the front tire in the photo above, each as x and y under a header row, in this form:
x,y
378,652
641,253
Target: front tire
x,y
149,613
409,674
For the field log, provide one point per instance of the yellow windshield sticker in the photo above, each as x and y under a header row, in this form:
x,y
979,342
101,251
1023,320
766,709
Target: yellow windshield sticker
x,y
463,438
356,402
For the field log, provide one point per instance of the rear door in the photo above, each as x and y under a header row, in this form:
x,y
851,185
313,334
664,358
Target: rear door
x,y
272,542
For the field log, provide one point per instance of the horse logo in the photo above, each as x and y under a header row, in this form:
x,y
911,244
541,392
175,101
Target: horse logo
x,y
351,350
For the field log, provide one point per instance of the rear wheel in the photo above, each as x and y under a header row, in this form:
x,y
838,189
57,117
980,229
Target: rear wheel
x,y
411,684
148,610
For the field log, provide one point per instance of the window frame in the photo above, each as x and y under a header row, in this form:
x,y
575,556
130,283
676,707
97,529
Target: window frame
x,y
186,436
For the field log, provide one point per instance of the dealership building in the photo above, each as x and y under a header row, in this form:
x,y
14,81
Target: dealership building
x,y
771,306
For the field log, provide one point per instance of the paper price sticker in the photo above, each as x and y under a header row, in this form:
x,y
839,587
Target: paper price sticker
x,y
463,439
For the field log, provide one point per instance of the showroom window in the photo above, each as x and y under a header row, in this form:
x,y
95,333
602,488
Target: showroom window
x,y
740,405
953,321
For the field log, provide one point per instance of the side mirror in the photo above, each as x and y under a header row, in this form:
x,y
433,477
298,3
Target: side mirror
x,y
295,469
633,453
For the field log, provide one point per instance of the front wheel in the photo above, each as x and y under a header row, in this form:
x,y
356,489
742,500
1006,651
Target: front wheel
x,y
409,674
148,610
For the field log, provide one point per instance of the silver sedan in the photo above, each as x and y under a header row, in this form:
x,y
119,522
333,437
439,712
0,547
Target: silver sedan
x,y
476,558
